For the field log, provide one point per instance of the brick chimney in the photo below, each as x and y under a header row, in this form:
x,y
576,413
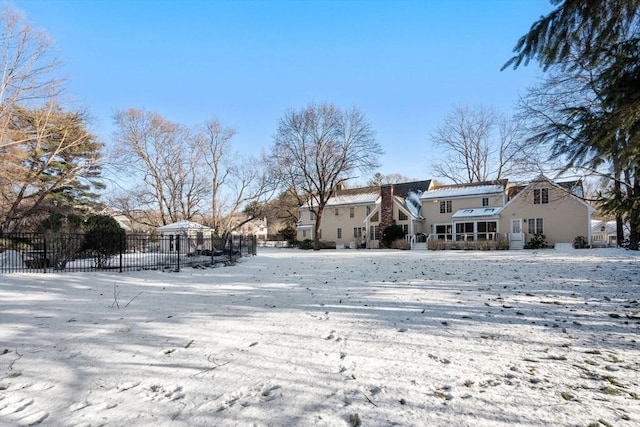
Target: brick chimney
x,y
386,206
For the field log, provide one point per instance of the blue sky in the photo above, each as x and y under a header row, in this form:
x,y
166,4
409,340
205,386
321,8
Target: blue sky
x,y
405,64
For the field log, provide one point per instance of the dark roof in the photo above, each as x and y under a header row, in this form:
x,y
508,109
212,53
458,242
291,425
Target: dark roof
x,y
402,189
358,190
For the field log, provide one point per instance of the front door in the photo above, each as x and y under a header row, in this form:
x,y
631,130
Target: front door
x,y
516,229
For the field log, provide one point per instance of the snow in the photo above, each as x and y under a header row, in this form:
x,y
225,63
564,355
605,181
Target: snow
x,y
477,212
11,258
461,191
412,202
329,338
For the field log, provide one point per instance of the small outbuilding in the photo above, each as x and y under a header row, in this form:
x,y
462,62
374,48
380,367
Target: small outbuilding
x,y
185,237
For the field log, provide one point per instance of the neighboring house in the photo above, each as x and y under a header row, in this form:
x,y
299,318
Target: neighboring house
x,y
604,233
185,237
485,211
256,227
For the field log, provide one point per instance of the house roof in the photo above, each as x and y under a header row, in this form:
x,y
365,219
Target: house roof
x,y
485,212
183,225
352,196
598,225
573,187
465,190
402,189
514,192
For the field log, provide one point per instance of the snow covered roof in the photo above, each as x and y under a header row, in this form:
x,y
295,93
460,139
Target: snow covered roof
x,y
356,196
182,226
477,212
599,226
451,191
354,199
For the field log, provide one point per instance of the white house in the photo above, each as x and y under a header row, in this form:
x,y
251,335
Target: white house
x,y
185,237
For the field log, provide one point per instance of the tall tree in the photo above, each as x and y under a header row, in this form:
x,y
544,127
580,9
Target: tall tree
x,y
478,145
50,159
28,67
214,145
167,161
390,178
320,147
602,38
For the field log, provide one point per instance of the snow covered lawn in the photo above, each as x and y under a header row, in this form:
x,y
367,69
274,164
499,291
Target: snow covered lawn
x,y
330,338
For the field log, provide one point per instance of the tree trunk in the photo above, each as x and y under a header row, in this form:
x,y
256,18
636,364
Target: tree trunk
x,y
316,230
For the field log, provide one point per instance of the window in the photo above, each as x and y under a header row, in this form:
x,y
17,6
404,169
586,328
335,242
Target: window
x,y
373,232
357,232
336,212
486,229
536,226
464,231
375,217
368,210
339,233
304,233
352,212
540,196
446,206
443,231
312,215
402,216
485,201
405,228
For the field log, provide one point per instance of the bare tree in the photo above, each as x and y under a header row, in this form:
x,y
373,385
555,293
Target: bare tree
x,y
317,148
478,145
181,170
390,178
27,69
214,145
165,158
249,188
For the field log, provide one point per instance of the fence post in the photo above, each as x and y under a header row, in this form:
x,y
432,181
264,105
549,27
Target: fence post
x,y
178,251
121,250
44,252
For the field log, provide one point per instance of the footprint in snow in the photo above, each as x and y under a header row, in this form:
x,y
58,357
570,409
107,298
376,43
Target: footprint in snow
x,y
22,411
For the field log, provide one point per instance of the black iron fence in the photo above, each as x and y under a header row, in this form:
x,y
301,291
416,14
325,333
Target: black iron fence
x,y
37,252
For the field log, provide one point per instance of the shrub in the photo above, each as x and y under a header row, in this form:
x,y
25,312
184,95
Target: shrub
x,y
502,244
484,245
436,245
391,234
400,244
580,242
289,234
308,244
327,245
305,244
103,237
537,241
